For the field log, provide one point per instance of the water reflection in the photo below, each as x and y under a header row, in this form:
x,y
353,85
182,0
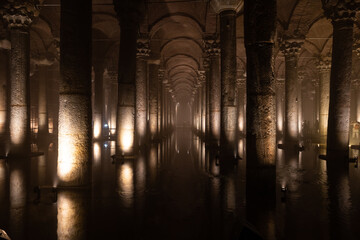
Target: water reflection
x,y
125,181
72,207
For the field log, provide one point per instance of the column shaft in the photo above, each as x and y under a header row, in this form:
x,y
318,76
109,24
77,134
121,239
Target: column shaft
x,y
140,103
215,97
74,138
228,80
153,100
324,85
19,92
339,104
98,101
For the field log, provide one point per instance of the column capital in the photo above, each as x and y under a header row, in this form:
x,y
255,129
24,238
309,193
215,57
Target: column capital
x,y
142,48
324,64
42,59
291,47
211,47
225,5
206,63
18,13
340,10
161,75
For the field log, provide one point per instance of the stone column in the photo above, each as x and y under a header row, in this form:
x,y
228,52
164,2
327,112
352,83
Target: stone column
x,y
280,84
43,102
18,17
291,49
161,75
260,84
141,91
342,15
113,99
324,67
5,47
202,101
260,29
153,100
300,106
241,93
98,100
74,138
213,52
228,81
129,18
316,84
206,64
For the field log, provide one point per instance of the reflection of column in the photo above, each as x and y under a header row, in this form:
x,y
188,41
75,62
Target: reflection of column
x,y
98,100
260,115
213,51
141,91
4,83
72,208
125,126
18,197
153,100
343,17
228,79
18,18
324,68
75,94
280,83
291,50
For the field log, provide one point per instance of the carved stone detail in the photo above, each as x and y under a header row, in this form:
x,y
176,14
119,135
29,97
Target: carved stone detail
x,y
19,14
340,10
291,47
324,65
143,49
212,47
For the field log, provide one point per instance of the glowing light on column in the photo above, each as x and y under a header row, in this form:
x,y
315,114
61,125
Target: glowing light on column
x,y
51,125
97,126
18,126
2,121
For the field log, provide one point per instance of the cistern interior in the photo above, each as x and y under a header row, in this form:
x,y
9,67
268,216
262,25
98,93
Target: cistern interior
x,y
180,119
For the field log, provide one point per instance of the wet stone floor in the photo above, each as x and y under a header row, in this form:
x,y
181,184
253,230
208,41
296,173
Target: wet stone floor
x,y
176,189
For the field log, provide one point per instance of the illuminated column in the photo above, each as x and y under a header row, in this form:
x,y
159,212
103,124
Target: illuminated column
x,y
300,109
74,147
141,91
43,100
98,100
202,101
129,21
213,51
18,17
5,46
153,100
280,84
324,67
206,64
113,99
241,88
161,75
260,84
228,80
316,84
342,15
290,49
356,82
260,29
